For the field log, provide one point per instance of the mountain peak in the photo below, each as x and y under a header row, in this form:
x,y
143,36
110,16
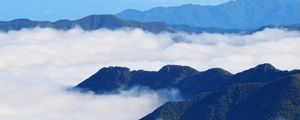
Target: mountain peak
x,y
266,67
174,68
131,10
218,70
107,80
105,16
115,68
21,19
260,73
114,72
261,69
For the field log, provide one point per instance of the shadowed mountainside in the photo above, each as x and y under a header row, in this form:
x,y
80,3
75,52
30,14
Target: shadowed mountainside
x,y
261,93
276,100
189,81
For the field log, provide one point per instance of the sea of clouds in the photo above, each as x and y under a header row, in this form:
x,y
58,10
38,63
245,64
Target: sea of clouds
x,y
38,65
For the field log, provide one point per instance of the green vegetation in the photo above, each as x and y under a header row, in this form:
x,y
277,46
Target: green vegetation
x,y
276,100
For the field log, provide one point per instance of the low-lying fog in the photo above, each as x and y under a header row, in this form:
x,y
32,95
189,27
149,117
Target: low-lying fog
x,y
36,66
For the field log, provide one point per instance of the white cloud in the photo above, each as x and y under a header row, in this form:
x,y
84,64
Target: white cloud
x,y
33,102
36,65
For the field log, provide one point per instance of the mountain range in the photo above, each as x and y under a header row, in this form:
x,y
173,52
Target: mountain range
x,y
92,22
261,92
111,22
236,14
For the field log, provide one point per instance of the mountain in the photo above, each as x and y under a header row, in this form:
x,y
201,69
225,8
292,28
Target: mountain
x,y
95,22
259,93
237,14
259,74
112,79
295,27
276,100
183,78
92,22
187,80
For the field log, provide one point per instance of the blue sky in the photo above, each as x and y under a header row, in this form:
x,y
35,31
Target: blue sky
x,y
74,9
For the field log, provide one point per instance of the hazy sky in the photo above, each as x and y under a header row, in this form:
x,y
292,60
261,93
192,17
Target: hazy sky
x,y
74,9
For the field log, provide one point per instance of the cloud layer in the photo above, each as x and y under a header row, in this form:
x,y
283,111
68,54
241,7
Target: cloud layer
x,y
140,50
37,65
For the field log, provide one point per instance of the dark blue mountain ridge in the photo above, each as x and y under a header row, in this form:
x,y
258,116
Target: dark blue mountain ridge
x,y
92,22
238,14
190,82
95,22
259,93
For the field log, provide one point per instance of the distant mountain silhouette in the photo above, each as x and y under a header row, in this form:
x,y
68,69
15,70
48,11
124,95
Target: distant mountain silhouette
x,y
294,27
92,22
236,14
95,22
